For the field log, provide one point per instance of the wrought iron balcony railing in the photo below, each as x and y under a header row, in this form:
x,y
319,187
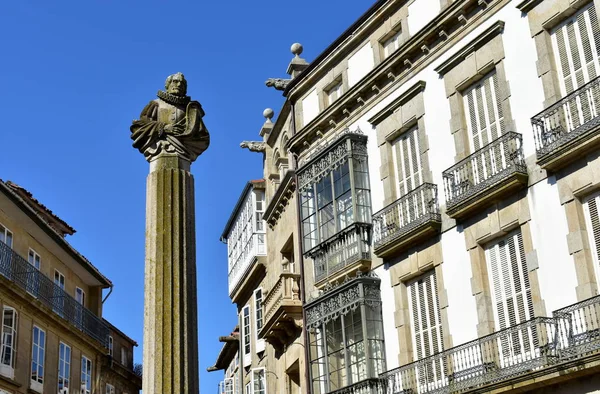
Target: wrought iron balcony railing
x,y
572,333
18,270
349,246
367,386
405,216
254,246
477,178
568,122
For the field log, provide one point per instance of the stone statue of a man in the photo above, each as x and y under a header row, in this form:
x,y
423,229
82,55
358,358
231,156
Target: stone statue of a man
x,y
172,123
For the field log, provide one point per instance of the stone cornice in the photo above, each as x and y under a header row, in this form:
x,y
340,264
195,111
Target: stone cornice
x,y
399,101
479,41
280,199
417,53
528,5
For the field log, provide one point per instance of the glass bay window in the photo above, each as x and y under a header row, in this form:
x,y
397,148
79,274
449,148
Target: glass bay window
x,y
335,202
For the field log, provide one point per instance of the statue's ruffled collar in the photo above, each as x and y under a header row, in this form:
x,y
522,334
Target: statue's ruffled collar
x,y
173,99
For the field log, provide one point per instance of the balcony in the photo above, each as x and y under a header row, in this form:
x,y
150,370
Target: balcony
x,y
283,311
489,174
367,386
343,254
568,129
412,218
16,269
536,347
244,264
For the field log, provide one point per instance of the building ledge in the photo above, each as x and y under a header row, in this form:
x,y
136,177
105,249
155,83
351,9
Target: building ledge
x,y
249,281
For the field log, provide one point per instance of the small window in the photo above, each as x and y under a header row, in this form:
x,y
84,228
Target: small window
x,y
259,384
33,282
9,342
80,296
38,348
124,356
391,44
246,334
86,375
110,345
64,368
334,93
258,308
248,389
6,236
110,389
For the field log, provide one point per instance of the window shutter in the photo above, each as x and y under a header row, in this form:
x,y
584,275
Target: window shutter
x,y
407,160
593,229
485,120
427,324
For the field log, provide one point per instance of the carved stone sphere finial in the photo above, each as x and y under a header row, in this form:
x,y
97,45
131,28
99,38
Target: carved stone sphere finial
x,y
268,114
297,49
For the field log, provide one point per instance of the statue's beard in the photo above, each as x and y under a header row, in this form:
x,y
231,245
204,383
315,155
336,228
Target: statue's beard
x,y
173,99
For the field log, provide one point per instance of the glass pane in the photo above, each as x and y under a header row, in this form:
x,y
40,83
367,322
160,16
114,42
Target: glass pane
x,y
324,193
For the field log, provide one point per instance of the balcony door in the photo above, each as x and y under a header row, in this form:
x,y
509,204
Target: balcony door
x,y
59,290
576,44
511,299
485,123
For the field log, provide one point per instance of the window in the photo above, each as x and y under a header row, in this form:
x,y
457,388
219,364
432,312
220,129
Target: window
x,y
407,162
260,208
346,342
259,384
576,44
110,389
485,120
33,284
59,290
64,368
258,308
226,386
80,296
124,356
9,342
426,324
391,44
38,348
6,236
592,220
86,375
334,92
510,290
110,345
248,389
246,333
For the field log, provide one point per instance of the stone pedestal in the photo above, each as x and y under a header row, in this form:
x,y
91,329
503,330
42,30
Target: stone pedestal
x,y
170,305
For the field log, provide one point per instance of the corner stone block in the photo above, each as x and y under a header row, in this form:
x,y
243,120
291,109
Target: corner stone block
x,y
532,261
575,241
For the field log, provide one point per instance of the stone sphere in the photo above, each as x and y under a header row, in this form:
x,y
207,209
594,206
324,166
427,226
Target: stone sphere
x,y
268,113
296,49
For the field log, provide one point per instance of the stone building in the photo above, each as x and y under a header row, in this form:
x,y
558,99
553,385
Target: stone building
x,y
54,339
438,164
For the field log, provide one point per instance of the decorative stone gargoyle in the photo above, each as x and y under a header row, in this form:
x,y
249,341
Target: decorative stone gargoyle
x,y
172,123
254,146
277,83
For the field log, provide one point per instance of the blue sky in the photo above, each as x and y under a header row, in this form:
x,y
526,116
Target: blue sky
x,y
76,73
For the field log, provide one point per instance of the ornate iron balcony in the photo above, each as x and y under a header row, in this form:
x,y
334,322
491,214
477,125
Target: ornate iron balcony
x,y
568,125
18,270
368,386
572,333
481,178
343,253
416,214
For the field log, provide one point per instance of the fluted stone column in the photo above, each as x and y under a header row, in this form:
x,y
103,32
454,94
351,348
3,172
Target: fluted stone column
x,y
170,318
171,135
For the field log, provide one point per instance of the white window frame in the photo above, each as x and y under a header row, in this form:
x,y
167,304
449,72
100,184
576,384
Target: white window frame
x,y
110,389
110,345
123,356
4,233
65,362
35,260
38,350
256,372
260,343
409,162
58,276
334,92
86,377
79,290
246,335
393,41
9,333
248,389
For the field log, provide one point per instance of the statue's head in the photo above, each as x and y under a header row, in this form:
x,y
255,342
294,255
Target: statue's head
x,y
176,84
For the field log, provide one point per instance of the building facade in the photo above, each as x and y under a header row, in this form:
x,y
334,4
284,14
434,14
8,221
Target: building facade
x,y
440,180
54,339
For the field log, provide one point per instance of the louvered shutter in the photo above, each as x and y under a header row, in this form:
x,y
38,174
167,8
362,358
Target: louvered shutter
x,y
593,229
427,325
511,292
407,160
576,45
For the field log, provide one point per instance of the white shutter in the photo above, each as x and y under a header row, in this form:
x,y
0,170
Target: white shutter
x,y
407,161
592,220
576,44
511,292
485,120
427,325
